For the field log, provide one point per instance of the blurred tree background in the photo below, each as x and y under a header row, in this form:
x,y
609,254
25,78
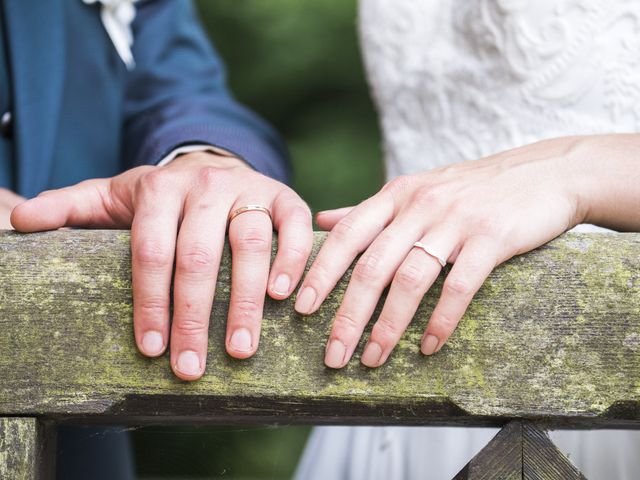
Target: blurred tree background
x,y
297,63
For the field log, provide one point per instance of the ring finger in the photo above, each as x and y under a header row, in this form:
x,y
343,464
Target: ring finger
x,y
412,280
250,235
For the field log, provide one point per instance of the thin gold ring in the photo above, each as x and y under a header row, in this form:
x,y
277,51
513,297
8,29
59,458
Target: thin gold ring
x,y
249,208
426,249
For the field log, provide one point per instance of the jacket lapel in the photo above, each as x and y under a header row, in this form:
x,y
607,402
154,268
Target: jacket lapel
x,y
35,31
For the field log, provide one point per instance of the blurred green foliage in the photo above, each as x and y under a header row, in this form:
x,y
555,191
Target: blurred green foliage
x,y
225,452
297,63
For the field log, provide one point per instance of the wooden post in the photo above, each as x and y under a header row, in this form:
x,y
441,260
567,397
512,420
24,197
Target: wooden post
x,y
520,451
27,449
541,459
501,459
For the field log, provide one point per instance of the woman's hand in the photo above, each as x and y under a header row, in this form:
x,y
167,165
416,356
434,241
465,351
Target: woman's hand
x,y
8,200
474,215
180,212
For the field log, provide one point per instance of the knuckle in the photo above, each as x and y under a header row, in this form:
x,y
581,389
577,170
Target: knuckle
x,y
209,177
318,274
196,258
445,322
346,321
427,197
464,211
252,240
386,330
396,189
153,254
287,196
368,269
486,225
153,307
344,230
203,205
300,215
189,327
156,181
298,253
398,185
247,307
410,277
458,287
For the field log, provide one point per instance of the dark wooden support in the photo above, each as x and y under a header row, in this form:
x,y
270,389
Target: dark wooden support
x,y
541,459
520,451
27,449
501,459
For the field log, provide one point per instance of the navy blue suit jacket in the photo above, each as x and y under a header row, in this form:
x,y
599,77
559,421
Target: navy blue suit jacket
x,y
80,114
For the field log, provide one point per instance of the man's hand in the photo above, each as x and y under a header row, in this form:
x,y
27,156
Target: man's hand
x,y
8,200
180,212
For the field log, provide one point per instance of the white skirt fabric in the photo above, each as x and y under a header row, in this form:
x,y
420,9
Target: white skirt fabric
x,y
438,453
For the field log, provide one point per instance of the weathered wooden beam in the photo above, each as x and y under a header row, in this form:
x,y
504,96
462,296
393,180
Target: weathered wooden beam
x,y
26,449
553,334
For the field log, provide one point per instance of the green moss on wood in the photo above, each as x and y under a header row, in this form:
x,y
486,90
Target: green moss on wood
x,y
18,447
552,333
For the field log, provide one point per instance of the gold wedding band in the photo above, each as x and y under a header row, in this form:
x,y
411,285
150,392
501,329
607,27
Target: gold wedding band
x,y
426,249
249,208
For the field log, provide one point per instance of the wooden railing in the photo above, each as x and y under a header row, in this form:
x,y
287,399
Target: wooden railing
x,y
552,339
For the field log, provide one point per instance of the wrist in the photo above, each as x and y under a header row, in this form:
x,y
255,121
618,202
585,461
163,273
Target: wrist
x,y
213,159
577,166
603,175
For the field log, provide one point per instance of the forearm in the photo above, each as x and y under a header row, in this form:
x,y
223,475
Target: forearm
x,y
177,95
608,172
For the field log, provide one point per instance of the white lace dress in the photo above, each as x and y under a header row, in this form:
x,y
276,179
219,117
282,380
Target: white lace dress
x,y
455,80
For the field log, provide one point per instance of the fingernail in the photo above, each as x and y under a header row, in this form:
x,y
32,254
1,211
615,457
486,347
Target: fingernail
x,y
372,354
152,343
240,340
282,284
429,344
188,363
334,358
305,300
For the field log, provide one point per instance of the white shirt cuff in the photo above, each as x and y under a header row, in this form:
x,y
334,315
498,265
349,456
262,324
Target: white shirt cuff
x,y
190,149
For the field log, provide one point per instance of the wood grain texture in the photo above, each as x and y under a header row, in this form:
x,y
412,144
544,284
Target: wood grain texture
x,y
554,334
18,446
501,459
520,451
26,449
541,459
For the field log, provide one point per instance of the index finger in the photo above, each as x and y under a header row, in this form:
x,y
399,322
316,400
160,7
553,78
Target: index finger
x,y
153,239
349,237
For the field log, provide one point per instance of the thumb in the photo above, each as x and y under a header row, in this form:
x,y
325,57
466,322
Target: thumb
x,y
87,204
327,219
